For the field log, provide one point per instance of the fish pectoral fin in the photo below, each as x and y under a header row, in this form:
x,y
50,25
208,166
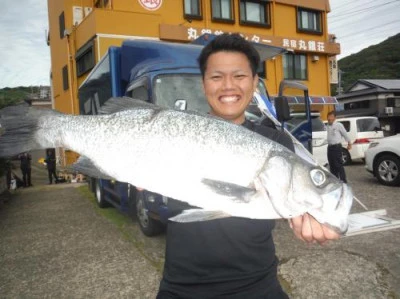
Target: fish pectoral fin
x,y
237,192
86,166
193,215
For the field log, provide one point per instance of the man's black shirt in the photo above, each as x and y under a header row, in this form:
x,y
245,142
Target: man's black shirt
x,y
223,258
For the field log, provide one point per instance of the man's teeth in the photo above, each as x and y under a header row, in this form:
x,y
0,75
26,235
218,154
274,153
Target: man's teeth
x,y
229,99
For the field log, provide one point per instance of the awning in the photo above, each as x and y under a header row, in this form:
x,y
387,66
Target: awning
x,y
315,100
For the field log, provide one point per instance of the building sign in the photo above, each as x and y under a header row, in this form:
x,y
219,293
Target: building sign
x,y
182,33
302,45
151,4
333,70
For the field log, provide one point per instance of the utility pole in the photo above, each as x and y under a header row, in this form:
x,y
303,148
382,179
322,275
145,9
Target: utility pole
x,y
340,72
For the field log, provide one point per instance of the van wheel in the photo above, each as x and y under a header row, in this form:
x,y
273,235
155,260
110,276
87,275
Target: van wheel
x,y
387,170
99,192
149,226
346,158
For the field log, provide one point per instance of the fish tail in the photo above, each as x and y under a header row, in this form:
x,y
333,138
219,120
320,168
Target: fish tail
x,y
19,127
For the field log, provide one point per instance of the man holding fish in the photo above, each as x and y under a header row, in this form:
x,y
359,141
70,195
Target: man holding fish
x,y
236,176
230,257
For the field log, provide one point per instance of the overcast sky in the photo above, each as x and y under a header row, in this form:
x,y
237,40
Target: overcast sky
x,y
25,56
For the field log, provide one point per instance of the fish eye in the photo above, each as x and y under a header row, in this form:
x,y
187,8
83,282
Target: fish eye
x,y
318,177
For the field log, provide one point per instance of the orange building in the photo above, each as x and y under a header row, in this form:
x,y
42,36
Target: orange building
x,y
81,31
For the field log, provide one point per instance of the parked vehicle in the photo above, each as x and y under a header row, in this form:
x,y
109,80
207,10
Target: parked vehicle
x,y
362,131
319,134
382,159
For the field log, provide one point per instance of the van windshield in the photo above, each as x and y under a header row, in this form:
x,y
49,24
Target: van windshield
x,y
368,125
168,88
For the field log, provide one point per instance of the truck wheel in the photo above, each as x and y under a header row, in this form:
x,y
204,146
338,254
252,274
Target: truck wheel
x,y
91,184
99,193
346,158
150,227
387,170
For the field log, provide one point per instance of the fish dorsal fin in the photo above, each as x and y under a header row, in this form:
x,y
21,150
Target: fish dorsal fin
x,y
238,192
114,105
86,166
194,215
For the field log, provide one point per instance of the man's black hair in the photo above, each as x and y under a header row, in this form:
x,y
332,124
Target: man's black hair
x,y
229,43
333,112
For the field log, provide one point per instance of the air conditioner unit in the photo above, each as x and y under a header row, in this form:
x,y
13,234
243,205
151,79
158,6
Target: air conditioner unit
x,y
389,110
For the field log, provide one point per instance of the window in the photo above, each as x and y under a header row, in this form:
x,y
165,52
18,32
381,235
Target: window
x,y
85,60
192,9
346,125
368,125
254,12
140,93
101,3
392,102
222,10
309,21
295,66
169,88
65,77
357,105
61,20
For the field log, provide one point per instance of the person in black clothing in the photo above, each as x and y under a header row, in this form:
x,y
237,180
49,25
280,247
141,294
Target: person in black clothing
x,y
51,166
25,166
232,257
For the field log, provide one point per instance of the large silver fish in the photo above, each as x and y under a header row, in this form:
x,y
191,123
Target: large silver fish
x,y
222,168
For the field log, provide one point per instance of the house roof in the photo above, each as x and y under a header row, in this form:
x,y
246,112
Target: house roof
x,y
363,87
383,83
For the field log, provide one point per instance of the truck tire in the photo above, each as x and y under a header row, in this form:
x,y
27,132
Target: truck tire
x,y
91,184
149,226
99,194
387,170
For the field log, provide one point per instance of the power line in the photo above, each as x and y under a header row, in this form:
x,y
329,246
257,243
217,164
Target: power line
x,y
349,3
361,10
366,29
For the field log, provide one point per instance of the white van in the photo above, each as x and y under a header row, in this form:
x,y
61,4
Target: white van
x,y
362,131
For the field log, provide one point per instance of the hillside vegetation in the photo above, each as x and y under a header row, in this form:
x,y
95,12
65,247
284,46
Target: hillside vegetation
x,y
11,96
381,61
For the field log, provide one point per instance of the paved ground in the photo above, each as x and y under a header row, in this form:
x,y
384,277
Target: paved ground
x,y
364,266
56,243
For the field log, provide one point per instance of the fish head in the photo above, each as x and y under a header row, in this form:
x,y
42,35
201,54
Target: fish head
x,y
296,187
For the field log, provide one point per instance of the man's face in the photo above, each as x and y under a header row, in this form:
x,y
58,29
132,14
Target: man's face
x,y
229,85
331,119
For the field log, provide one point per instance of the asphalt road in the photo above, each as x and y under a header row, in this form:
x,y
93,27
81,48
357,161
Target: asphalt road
x,y
56,243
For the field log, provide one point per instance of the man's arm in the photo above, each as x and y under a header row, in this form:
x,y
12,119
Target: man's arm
x,y
344,134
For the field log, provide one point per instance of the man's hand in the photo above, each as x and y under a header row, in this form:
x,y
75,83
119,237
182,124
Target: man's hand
x,y
349,146
309,230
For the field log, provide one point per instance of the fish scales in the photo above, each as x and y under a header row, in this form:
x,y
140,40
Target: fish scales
x,y
208,162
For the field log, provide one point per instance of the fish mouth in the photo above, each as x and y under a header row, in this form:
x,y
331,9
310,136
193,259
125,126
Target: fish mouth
x,y
229,99
336,207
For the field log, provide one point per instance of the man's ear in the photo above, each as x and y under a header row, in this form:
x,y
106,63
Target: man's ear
x,y
255,82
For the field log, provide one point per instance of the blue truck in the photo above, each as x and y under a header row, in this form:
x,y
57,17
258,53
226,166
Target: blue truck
x,y
166,74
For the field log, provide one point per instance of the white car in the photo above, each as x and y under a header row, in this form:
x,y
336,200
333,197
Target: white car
x,y
382,159
362,132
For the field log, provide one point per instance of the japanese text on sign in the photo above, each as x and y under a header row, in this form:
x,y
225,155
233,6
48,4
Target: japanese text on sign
x,y
303,45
